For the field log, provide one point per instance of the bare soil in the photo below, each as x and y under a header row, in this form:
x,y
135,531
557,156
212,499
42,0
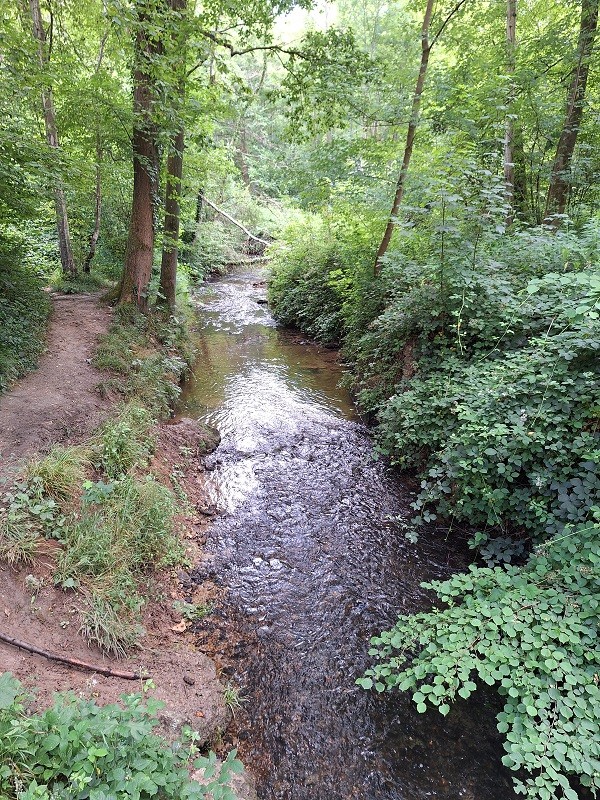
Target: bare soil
x,y
59,403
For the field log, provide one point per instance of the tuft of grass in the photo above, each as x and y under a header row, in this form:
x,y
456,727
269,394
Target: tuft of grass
x,y
59,474
82,283
124,442
124,534
19,537
232,698
104,625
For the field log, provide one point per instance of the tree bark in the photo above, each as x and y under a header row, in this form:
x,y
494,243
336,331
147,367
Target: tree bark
x,y
560,180
168,266
97,208
410,137
509,161
137,270
170,249
60,204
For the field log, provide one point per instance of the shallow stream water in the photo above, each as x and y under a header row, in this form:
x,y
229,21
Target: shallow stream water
x,y
306,545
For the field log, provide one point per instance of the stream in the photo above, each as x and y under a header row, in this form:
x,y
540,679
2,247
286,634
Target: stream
x,y
307,549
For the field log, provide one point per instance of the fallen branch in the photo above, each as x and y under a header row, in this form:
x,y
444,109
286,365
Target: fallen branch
x,y
72,662
234,221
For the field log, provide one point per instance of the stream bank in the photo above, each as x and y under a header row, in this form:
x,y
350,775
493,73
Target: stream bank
x,y
308,559
45,409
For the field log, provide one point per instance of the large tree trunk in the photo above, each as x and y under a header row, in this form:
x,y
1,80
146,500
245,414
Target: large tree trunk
x,y
560,180
60,205
137,271
410,137
168,266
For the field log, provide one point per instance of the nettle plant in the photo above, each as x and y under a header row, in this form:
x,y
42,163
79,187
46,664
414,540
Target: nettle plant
x,y
78,750
532,633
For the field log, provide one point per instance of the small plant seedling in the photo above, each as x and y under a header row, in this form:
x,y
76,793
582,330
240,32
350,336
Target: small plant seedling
x,y
232,698
192,611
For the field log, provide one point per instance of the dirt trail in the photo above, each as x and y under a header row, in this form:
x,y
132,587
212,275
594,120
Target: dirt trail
x,y
58,401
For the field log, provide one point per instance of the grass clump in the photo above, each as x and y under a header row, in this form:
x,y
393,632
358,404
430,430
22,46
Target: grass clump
x,y
77,749
118,539
61,473
124,442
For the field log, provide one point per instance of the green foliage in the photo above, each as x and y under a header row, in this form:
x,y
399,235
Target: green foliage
x,y
125,531
311,281
532,633
24,310
124,442
149,355
77,749
60,473
192,611
27,515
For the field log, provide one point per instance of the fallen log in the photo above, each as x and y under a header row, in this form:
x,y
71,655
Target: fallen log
x,y
72,662
234,222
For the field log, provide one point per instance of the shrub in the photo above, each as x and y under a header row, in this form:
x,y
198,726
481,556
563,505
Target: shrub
x,y
531,632
24,311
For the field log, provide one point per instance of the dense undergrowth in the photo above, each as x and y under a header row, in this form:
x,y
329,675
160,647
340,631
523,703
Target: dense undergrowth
x,y
475,352
78,750
24,311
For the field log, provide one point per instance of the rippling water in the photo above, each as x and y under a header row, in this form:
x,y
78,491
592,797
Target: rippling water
x,y
307,547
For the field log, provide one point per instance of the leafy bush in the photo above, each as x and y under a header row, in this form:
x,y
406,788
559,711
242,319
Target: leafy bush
x,y
24,310
77,750
531,632
508,442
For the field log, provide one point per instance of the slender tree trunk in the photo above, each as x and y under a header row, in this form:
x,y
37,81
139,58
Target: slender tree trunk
x,y
137,270
97,207
560,180
60,204
241,157
410,137
509,161
168,266
170,249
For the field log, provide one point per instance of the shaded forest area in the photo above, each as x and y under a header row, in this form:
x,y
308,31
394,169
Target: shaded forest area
x,y
428,175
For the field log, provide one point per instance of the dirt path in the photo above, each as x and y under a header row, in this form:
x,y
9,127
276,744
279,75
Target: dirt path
x,y
58,400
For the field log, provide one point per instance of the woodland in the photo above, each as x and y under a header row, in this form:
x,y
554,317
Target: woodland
x,y
425,177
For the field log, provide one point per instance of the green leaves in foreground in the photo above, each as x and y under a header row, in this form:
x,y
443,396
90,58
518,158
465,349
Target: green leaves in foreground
x,y
78,750
531,632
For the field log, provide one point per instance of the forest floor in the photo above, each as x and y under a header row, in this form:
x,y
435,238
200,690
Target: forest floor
x,y
59,403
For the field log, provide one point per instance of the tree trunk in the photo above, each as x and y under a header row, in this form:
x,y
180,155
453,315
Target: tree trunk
x,y
509,161
168,266
97,208
170,250
410,137
241,157
560,180
137,270
60,205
